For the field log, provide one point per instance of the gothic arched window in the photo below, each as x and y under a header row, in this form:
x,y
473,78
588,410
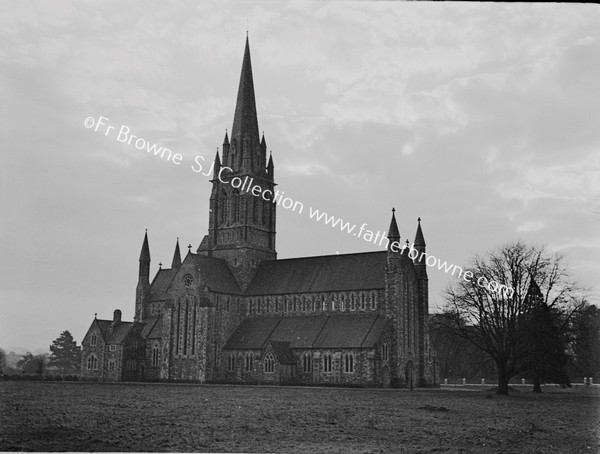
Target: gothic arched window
x,y
306,362
155,355
269,365
327,363
385,352
348,363
249,362
92,362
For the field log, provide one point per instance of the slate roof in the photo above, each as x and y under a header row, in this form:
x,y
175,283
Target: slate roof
x,y
321,331
152,328
217,275
114,334
362,271
349,331
252,334
156,331
160,284
326,273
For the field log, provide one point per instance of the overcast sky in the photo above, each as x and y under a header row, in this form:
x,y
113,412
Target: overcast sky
x,y
482,119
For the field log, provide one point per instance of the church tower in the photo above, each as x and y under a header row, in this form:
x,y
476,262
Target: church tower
x,y
242,210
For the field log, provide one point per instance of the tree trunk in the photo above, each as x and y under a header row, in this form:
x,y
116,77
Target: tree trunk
x,y
537,386
503,379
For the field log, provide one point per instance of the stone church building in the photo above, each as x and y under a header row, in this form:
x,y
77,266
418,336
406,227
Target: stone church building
x,y
232,312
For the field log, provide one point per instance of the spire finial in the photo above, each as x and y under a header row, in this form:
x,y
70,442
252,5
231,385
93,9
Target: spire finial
x,y
419,238
176,263
190,247
245,120
145,254
393,233
95,315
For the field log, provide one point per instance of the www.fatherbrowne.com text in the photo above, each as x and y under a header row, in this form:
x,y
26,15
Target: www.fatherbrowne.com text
x,y
247,185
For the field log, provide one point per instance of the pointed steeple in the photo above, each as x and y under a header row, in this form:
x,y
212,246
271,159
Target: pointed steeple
x,y
145,254
245,121
271,167
534,294
393,233
143,286
226,139
176,256
217,166
419,238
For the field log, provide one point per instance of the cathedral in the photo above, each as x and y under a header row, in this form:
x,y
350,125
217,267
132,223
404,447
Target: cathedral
x,y
231,312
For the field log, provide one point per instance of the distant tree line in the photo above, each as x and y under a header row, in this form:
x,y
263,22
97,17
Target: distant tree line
x,y
63,361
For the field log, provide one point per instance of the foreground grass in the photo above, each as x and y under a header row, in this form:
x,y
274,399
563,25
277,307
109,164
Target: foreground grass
x,y
152,417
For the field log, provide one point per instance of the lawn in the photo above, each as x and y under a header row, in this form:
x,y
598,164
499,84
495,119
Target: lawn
x,y
166,417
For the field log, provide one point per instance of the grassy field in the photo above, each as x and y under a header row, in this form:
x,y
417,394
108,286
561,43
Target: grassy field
x,y
156,417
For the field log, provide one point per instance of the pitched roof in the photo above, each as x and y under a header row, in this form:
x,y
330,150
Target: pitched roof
x,y
216,274
309,331
252,334
114,333
300,332
349,331
156,331
152,327
160,284
320,274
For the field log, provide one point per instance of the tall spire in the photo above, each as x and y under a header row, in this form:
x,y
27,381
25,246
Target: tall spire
x,y
145,254
245,121
176,256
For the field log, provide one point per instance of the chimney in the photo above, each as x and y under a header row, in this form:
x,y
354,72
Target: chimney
x,y
116,316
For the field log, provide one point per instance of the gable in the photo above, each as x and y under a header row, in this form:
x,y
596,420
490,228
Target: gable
x,y
94,328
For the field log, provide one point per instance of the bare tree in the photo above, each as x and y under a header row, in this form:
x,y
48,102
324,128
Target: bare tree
x,y
494,320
